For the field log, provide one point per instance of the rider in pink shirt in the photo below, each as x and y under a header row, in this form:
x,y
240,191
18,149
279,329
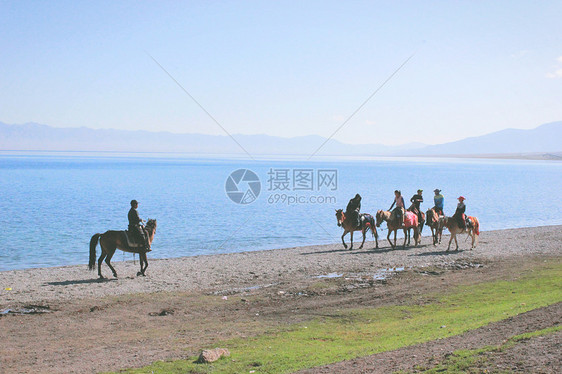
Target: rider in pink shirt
x,y
398,212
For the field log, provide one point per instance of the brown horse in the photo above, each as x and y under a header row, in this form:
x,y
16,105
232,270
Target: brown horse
x,y
435,225
452,225
113,240
383,215
367,223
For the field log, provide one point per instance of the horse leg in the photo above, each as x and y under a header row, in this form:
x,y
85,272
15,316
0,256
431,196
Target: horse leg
x,y
145,264
108,261
364,232
100,261
450,240
417,235
457,244
375,234
406,234
351,235
143,261
343,241
473,240
434,236
388,238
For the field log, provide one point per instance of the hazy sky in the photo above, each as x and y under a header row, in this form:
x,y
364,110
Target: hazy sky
x,y
285,68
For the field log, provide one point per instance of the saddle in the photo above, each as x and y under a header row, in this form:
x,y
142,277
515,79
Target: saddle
x,y
410,219
362,218
131,240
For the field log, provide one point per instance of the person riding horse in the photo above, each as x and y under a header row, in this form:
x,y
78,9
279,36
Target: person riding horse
x,y
416,200
398,212
352,210
438,201
459,213
135,225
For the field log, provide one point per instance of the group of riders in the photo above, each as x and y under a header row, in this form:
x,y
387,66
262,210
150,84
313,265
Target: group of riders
x,y
352,210
354,206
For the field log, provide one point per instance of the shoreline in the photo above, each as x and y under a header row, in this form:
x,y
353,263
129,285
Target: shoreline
x,y
257,269
382,237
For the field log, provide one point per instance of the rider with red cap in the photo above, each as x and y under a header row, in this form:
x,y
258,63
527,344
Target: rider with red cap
x,y
459,213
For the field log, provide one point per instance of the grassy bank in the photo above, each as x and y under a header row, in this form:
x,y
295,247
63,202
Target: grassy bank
x,y
359,332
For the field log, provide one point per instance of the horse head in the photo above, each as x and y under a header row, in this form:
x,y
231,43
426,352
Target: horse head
x,y
431,216
340,216
151,225
379,217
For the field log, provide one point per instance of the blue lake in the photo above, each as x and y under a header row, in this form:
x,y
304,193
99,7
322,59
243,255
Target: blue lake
x,y
52,203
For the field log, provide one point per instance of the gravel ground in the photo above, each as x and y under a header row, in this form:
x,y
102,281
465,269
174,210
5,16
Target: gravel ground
x,y
261,268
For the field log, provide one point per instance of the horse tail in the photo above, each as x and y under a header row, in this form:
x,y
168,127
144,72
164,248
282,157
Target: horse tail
x,y
93,244
373,227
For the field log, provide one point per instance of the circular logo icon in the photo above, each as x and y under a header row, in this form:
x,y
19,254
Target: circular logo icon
x,y
243,186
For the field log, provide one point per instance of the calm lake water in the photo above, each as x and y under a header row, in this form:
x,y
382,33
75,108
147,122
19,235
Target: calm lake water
x,y
52,203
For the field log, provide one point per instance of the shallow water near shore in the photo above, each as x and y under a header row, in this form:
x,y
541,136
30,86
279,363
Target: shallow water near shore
x,y
52,203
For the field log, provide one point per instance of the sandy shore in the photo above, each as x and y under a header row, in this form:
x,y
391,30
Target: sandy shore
x,y
262,268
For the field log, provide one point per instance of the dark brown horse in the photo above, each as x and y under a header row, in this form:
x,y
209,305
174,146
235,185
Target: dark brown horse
x,y
367,223
110,241
435,224
393,226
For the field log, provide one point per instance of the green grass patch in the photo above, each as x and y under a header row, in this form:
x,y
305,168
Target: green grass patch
x,y
361,332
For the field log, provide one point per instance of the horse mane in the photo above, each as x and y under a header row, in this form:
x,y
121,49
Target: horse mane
x,y
150,224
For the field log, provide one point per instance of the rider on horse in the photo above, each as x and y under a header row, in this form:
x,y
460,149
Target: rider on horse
x,y
416,200
459,213
438,200
398,212
352,210
135,225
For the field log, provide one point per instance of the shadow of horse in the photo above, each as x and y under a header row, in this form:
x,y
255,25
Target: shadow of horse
x,y
325,252
376,251
79,281
440,253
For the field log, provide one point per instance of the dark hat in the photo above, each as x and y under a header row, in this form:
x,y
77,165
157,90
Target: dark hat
x,y
420,190
134,202
437,190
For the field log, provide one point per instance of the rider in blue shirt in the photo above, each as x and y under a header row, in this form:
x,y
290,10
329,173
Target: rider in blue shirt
x,y
438,200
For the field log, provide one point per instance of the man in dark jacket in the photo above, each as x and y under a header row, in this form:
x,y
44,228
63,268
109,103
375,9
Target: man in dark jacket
x,y
135,225
352,210
416,200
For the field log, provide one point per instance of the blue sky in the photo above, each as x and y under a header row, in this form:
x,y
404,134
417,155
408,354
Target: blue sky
x,y
284,68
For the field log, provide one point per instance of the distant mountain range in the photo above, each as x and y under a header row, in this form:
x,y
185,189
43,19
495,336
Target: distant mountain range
x,y
546,138
37,137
